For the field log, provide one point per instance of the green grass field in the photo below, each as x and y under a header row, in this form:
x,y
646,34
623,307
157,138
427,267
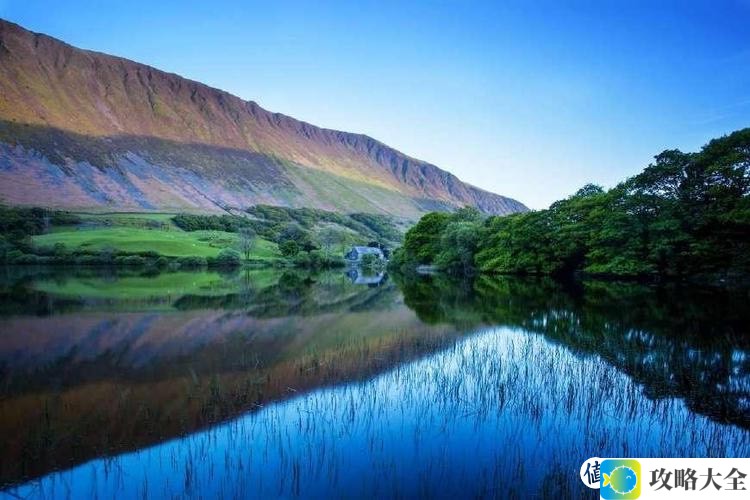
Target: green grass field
x,y
171,242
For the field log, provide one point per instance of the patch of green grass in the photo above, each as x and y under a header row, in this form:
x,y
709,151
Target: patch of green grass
x,y
171,243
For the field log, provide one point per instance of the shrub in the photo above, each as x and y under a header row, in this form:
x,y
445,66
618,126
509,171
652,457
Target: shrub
x,y
30,259
370,261
130,260
289,248
302,259
228,258
192,262
59,249
321,260
107,255
90,260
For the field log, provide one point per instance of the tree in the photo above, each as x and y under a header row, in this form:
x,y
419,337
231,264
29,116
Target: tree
x,y
289,248
686,214
228,258
247,237
458,245
295,232
422,242
328,238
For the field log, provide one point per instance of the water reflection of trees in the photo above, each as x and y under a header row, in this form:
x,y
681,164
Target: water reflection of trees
x,y
677,342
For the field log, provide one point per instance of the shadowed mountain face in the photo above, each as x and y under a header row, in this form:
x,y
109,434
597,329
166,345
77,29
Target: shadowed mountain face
x,y
84,129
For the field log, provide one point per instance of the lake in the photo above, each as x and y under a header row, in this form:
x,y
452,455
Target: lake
x,y
269,383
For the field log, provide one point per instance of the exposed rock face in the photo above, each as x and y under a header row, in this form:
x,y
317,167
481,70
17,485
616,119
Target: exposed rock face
x,y
84,129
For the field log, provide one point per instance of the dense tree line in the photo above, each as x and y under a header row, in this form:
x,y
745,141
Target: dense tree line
x,y
280,224
18,224
686,214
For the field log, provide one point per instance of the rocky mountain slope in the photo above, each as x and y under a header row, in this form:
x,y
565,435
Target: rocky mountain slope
x,y
81,129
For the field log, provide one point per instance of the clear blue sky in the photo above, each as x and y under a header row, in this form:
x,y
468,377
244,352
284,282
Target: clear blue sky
x,y
527,101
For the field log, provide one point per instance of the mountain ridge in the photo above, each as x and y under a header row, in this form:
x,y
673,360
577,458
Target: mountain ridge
x,y
91,100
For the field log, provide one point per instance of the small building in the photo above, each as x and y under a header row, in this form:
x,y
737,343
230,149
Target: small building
x,y
356,253
358,277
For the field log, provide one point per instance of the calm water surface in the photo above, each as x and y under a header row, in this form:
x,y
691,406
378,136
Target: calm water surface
x,y
285,384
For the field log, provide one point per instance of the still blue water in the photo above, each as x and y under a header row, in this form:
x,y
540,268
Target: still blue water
x,y
495,411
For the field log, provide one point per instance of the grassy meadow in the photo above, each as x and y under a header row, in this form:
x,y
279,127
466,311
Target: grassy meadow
x,y
169,241
124,232
260,235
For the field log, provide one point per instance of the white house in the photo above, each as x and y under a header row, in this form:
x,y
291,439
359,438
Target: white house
x,y
356,253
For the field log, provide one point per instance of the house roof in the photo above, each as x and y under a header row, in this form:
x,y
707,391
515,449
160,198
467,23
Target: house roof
x,y
367,250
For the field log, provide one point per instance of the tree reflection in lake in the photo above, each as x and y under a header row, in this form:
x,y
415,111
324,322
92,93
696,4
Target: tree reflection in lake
x,y
688,343
417,386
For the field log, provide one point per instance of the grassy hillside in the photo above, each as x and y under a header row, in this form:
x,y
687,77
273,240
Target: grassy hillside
x,y
171,242
260,235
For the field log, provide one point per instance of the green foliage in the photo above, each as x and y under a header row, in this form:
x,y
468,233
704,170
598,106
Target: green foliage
x,y
687,214
279,224
192,262
445,240
317,259
370,261
18,225
289,248
227,258
422,242
228,223
130,260
380,225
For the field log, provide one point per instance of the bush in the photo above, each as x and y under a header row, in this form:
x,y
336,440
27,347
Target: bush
x,y
59,249
149,254
107,255
321,260
228,258
29,259
289,248
130,260
302,259
370,261
192,262
90,260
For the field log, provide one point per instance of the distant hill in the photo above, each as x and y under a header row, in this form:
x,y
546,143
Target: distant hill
x,y
83,129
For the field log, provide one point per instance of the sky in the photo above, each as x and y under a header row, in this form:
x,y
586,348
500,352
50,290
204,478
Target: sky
x,y
527,99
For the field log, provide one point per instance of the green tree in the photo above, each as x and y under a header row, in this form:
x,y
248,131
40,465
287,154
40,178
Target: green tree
x,y
289,248
686,214
228,258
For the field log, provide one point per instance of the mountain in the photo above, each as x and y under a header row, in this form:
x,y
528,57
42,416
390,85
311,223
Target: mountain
x,y
81,129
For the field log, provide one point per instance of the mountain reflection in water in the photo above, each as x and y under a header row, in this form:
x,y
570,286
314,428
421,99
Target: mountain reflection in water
x,y
408,385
